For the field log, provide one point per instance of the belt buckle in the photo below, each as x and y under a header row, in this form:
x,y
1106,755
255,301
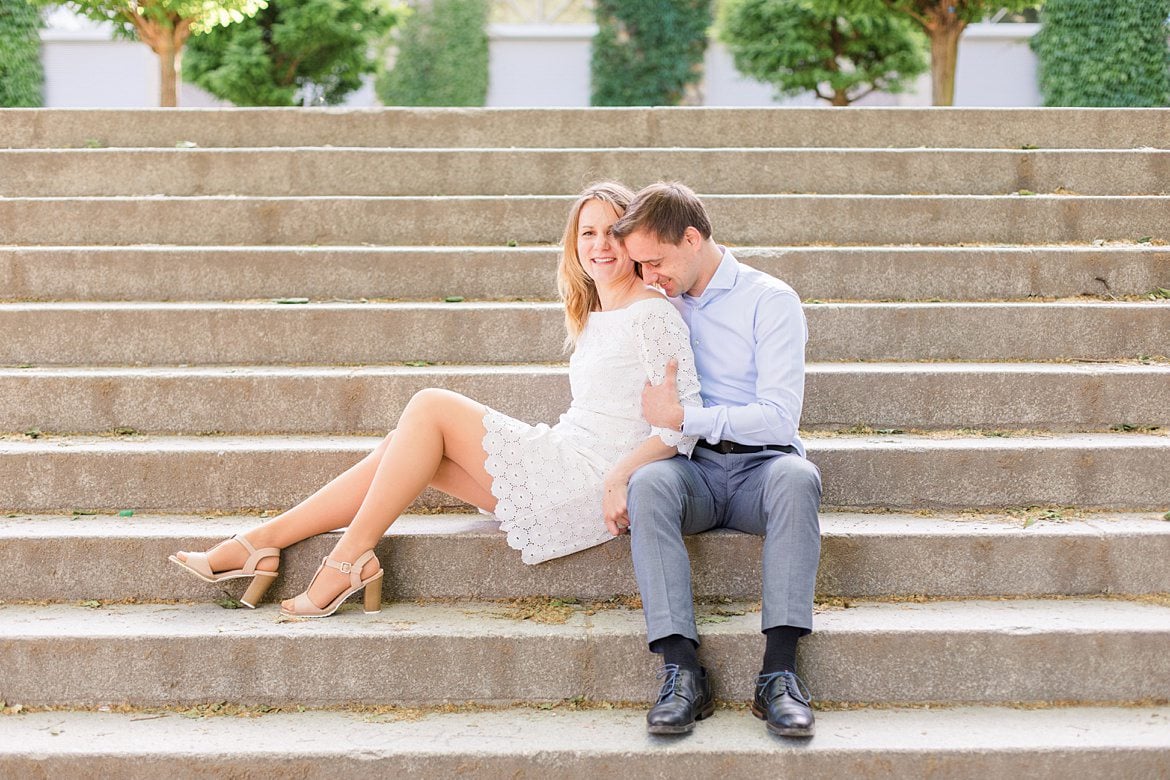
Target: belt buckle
x,y
726,447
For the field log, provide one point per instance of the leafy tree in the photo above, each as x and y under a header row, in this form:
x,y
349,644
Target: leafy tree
x,y
813,45
944,22
442,56
293,51
21,74
165,26
648,52
1104,53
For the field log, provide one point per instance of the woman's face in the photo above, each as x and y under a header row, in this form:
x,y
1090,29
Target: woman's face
x,y
601,255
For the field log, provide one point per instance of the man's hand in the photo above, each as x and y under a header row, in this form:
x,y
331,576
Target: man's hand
x,y
660,404
613,507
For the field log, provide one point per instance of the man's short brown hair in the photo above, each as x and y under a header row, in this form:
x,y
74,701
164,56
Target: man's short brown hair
x,y
666,210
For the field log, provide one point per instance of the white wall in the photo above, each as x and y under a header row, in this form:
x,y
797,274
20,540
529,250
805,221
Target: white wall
x,y
539,65
992,56
548,65
86,68
529,65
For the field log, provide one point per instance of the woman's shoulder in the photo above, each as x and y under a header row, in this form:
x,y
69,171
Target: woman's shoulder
x,y
645,312
653,300
654,306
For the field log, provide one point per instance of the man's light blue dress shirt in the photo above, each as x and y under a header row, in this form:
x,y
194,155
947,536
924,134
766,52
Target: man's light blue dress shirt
x,y
748,332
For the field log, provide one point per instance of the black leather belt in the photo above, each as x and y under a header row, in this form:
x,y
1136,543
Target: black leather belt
x,y
733,448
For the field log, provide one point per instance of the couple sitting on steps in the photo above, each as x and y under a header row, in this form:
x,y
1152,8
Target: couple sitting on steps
x,y
684,418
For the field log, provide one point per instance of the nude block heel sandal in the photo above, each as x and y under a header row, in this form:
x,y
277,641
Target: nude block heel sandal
x,y
197,564
303,607
255,592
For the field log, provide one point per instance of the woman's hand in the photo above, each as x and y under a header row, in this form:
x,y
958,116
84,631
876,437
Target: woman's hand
x,y
613,507
617,480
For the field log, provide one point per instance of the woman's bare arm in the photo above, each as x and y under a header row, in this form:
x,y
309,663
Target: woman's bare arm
x,y
613,505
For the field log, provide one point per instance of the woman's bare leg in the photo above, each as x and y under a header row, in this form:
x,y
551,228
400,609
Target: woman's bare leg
x,y
437,426
336,503
331,506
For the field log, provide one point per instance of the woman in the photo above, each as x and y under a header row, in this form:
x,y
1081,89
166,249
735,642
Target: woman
x,y
549,487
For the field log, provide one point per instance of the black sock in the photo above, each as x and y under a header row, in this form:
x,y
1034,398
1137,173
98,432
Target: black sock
x,y
677,649
780,652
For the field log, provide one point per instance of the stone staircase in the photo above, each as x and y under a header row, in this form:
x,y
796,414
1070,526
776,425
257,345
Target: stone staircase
x,y
988,399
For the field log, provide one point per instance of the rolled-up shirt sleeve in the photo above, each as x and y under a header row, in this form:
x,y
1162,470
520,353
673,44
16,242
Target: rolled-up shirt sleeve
x,y
780,333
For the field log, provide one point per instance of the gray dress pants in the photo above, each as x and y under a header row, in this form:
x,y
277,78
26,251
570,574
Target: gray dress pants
x,y
771,494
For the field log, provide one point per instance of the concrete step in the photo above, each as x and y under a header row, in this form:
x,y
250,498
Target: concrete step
x,y
349,333
511,171
963,743
231,474
1094,650
1012,128
233,333
368,400
446,220
263,400
98,273
69,558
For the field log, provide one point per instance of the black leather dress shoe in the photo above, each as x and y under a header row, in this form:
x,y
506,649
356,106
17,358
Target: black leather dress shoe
x,y
685,697
783,701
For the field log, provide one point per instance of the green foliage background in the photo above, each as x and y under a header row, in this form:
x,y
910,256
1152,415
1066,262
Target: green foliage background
x,y
442,57
293,49
967,10
648,52
205,15
799,45
21,75
1104,53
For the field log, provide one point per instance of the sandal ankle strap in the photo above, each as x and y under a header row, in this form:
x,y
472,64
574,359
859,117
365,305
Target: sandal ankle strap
x,y
354,570
254,555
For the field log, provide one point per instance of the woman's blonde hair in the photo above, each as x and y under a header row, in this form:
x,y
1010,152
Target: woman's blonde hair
x,y
577,290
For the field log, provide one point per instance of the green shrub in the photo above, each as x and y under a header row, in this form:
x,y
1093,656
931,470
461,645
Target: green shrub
x,y
1104,53
648,52
21,75
442,57
819,46
292,52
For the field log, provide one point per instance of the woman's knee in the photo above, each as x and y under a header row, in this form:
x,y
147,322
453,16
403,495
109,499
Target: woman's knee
x,y
431,403
428,398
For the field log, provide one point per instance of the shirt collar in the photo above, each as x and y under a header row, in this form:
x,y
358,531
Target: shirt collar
x,y
724,278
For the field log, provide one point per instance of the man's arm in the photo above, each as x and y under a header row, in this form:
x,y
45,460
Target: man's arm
x,y
779,334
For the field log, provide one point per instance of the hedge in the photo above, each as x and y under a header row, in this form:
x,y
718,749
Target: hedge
x,y
21,74
1104,53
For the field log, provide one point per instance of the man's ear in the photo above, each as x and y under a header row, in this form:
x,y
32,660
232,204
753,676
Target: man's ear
x,y
692,237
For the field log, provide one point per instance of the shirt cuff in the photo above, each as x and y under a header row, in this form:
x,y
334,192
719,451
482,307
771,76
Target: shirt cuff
x,y
699,421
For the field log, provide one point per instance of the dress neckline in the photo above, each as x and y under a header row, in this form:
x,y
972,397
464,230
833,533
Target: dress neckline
x,y
629,306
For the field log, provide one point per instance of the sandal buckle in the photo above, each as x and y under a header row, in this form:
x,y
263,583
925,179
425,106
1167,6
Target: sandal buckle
x,y
346,567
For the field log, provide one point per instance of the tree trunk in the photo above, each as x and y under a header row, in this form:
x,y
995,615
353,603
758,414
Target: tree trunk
x,y
167,41
945,29
169,64
840,98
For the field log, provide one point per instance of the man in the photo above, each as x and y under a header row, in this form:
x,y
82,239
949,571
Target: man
x,y
748,471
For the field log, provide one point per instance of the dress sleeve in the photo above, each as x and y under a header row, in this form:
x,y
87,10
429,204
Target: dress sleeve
x,y
661,335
